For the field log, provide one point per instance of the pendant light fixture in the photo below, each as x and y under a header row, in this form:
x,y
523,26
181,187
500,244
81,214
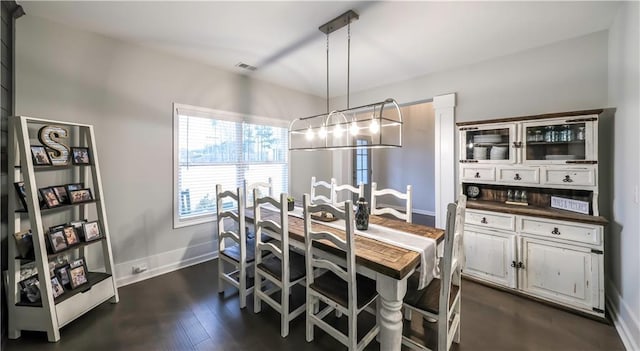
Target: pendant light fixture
x,y
379,124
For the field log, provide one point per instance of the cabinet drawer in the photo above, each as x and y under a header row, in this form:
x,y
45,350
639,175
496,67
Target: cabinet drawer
x,y
562,230
519,175
570,177
75,306
490,220
479,173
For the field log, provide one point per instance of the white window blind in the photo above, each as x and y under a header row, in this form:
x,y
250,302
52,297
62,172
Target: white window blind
x,y
216,147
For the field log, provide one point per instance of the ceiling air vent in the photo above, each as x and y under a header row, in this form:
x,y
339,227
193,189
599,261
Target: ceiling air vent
x,y
246,66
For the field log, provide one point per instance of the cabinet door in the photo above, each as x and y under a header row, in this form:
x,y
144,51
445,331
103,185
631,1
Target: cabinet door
x,y
560,141
491,143
489,256
562,273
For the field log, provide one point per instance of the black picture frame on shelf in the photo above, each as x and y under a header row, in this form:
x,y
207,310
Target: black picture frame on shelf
x,y
50,198
57,241
71,235
22,194
79,227
62,273
78,273
80,156
30,288
91,231
24,244
56,288
80,196
61,193
74,186
40,156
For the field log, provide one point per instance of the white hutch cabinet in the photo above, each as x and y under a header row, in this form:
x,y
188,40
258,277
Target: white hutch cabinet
x,y
511,170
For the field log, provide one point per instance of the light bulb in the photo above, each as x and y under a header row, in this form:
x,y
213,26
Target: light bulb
x,y
337,131
309,134
354,128
322,133
374,127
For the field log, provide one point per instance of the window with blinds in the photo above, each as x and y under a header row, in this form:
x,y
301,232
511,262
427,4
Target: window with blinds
x,y
216,147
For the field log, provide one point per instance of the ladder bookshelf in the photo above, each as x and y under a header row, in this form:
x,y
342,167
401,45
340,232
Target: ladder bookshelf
x,y
49,314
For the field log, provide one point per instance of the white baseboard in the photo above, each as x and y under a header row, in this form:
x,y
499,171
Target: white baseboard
x,y
629,330
415,210
165,262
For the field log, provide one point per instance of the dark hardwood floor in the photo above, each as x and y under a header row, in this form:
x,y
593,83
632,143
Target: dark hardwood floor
x,y
183,311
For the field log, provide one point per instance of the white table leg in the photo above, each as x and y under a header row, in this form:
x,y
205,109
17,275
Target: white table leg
x,y
390,312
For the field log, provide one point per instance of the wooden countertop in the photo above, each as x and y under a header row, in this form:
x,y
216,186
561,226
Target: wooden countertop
x,y
390,260
535,211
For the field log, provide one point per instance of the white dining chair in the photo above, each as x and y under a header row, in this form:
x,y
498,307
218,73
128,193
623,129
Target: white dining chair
x,y
282,267
266,188
440,301
341,289
407,197
240,254
316,185
350,189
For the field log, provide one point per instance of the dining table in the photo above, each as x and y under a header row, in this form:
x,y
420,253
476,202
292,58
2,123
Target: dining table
x,y
388,264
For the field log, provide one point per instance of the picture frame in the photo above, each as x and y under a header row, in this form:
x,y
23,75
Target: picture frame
x,y
50,198
40,156
80,156
74,186
57,228
56,288
62,273
61,193
24,243
78,273
71,235
57,241
78,225
80,196
22,194
91,231
30,288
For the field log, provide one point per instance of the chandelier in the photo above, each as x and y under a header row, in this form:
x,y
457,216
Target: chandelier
x,y
376,125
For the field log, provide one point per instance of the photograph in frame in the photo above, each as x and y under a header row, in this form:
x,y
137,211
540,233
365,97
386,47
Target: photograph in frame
x,y
30,288
78,225
78,274
57,241
81,195
91,231
80,156
61,193
63,275
56,287
74,186
71,235
50,198
40,156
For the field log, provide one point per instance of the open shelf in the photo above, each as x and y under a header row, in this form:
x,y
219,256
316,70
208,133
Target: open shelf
x,y
54,255
539,143
93,278
61,207
53,168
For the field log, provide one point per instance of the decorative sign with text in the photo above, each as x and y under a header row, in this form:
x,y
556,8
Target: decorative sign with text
x,y
570,205
50,136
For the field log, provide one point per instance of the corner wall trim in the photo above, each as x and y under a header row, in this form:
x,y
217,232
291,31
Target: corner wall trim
x,y
445,148
165,262
626,328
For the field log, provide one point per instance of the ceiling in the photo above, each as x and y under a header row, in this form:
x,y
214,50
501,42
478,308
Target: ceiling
x,y
392,41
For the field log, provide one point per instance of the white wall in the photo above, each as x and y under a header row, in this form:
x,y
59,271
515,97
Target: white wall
x,y
623,238
126,91
414,163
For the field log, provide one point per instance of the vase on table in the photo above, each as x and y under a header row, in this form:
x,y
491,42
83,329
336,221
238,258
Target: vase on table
x,y
362,214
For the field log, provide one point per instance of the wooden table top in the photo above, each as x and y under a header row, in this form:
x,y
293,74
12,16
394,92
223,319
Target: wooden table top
x,y
390,260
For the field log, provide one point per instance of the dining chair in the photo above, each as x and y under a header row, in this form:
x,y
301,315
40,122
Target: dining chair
x,y
240,254
341,289
282,267
375,192
440,300
315,197
264,187
350,189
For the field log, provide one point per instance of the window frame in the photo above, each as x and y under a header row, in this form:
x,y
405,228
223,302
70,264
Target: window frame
x,y
206,112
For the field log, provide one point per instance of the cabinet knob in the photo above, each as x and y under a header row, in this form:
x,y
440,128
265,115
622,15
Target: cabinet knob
x,y
484,220
555,231
513,264
477,175
520,265
567,179
517,177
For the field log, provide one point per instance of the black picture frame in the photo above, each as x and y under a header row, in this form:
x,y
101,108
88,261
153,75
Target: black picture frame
x,y
74,186
57,241
91,231
78,273
22,194
71,235
80,196
78,225
24,243
56,288
62,273
50,198
61,193
30,288
80,156
40,156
